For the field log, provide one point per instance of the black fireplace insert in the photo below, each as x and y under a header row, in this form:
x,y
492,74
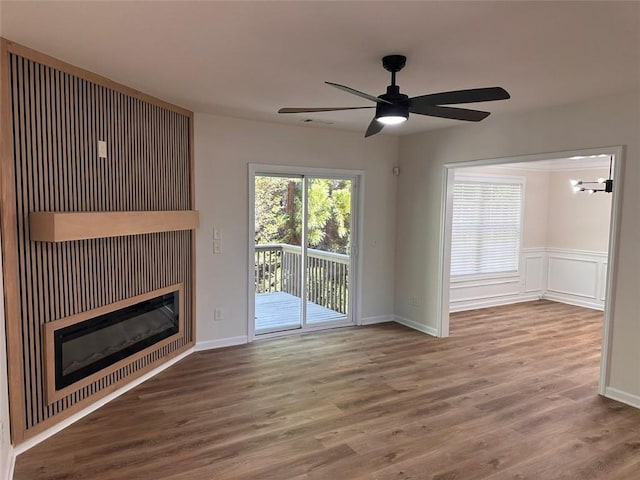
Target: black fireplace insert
x,y
92,345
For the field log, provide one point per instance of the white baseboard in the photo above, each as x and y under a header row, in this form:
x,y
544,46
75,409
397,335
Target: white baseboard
x,y
8,467
221,342
378,319
416,326
620,396
574,300
32,442
492,302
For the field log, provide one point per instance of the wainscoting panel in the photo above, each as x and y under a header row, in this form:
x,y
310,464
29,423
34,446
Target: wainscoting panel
x,y
573,277
58,113
490,291
487,288
576,277
570,276
534,272
602,280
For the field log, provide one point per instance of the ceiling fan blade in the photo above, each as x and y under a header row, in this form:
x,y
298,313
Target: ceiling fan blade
x,y
358,93
374,127
313,109
449,112
472,95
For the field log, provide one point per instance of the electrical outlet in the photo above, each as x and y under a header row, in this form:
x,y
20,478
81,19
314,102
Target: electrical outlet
x,y
216,246
217,235
413,301
218,314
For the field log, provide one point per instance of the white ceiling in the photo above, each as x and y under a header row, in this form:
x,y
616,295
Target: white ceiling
x,y
247,59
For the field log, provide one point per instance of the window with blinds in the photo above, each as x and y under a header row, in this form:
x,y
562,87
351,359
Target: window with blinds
x,y
486,225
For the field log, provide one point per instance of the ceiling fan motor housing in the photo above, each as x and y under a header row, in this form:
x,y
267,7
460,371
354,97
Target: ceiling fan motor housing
x,y
394,63
399,106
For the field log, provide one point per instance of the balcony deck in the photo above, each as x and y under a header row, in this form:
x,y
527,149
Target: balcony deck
x,y
281,311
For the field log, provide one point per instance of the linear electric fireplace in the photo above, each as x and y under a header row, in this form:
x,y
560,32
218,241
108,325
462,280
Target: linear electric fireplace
x,y
85,347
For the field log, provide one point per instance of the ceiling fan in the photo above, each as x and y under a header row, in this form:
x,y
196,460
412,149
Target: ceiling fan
x,y
394,107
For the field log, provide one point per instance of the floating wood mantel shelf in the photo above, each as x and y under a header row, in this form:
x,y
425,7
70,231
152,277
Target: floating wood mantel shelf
x,y
68,226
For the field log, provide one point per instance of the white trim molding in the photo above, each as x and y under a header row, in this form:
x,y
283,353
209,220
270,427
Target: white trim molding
x,y
377,319
571,164
497,301
624,397
9,466
421,327
221,343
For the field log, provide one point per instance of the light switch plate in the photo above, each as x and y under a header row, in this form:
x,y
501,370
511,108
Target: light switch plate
x,y
102,149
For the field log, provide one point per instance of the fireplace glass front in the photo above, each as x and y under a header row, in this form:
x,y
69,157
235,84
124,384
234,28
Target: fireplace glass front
x,y
92,345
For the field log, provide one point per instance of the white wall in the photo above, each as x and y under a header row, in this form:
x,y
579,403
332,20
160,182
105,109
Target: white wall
x,y
5,440
223,149
613,120
578,221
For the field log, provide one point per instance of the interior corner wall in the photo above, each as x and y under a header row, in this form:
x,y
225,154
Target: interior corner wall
x,y
224,147
607,121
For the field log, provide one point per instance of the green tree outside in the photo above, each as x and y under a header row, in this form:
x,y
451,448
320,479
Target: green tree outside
x,y
278,203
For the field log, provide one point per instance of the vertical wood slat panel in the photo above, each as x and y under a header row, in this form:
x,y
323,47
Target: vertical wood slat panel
x,y
57,120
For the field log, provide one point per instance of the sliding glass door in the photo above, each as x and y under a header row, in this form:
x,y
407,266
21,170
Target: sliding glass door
x,y
278,248
302,252
328,245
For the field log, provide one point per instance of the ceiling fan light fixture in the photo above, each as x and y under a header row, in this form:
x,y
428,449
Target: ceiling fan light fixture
x,y
392,119
392,113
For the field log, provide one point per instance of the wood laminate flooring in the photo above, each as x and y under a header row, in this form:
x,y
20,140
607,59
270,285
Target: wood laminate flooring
x,y
510,395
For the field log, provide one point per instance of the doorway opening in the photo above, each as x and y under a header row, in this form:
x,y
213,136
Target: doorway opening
x,y
511,233
303,254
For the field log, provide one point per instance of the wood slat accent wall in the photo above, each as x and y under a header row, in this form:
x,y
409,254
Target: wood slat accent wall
x,y
56,114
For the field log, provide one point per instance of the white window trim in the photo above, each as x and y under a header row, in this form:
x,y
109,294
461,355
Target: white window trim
x,y
500,179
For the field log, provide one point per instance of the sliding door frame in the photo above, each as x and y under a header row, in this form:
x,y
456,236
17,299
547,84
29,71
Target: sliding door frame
x,y
355,261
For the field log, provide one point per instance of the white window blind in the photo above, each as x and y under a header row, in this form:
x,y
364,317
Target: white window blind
x,y
486,226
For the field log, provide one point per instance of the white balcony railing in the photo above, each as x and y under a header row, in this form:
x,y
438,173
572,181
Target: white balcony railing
x,y
278,268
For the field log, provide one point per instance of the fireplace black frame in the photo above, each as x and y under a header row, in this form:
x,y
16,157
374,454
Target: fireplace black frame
x,y
57,389
106,320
